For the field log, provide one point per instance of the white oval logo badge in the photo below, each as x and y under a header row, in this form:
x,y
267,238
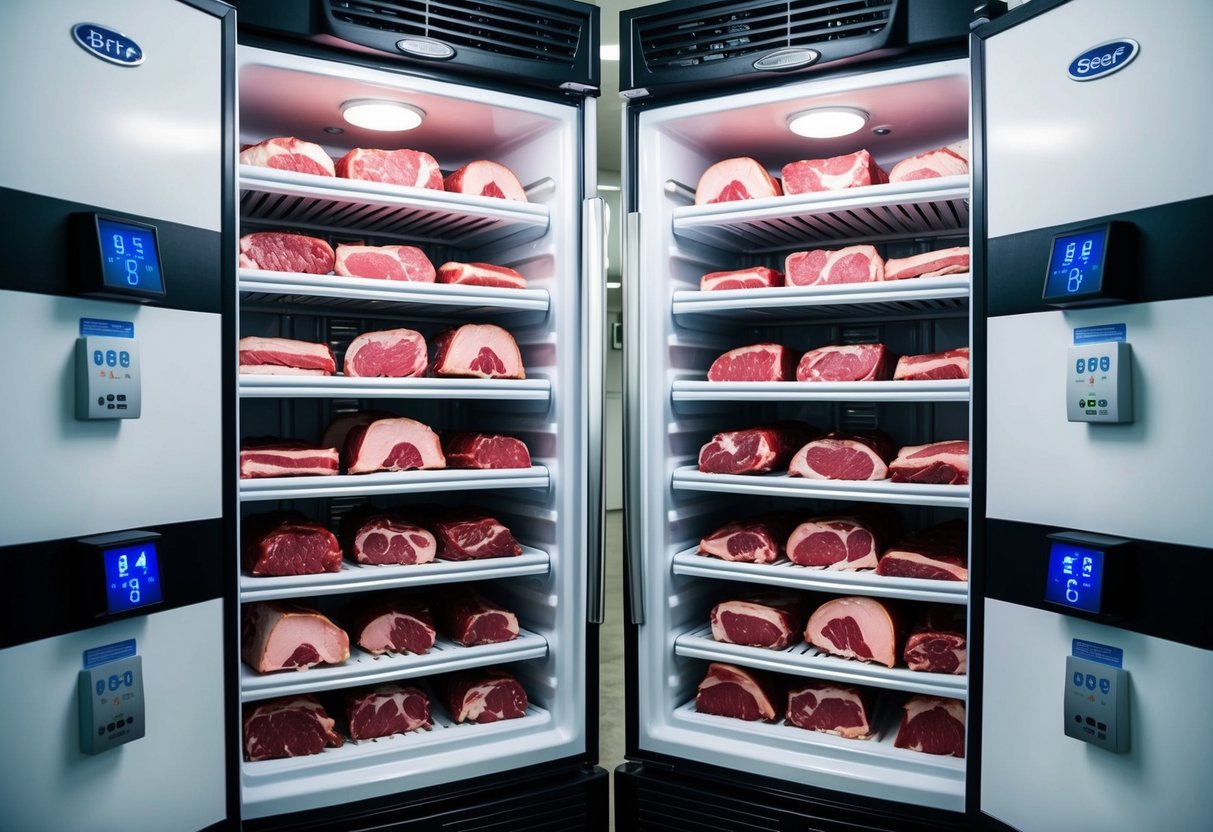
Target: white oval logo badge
x,y
1104,59
107,44
787,59
426,48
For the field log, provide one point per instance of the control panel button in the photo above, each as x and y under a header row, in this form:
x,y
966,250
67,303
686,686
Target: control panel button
x,y
124,358
1104,686
98,357
1103,402
1077,679
1090,720
1105,363
1090,682
111,358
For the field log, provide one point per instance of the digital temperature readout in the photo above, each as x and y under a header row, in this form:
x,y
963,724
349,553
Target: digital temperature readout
x,y
1076,264
132,577
130,258
1075,577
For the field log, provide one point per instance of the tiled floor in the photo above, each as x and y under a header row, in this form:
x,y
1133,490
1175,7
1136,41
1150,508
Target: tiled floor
x,y
610,672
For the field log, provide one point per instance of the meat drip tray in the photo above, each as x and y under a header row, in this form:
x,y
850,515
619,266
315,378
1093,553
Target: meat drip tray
x,y
802,391
690,478
391,482
349,387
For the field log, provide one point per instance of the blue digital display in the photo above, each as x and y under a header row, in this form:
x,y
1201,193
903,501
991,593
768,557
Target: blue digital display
x,y
130,258
1076,265
1075,577
132,577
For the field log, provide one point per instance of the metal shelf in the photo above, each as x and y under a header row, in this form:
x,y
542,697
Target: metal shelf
x,y
690,478
349,387
818,391
391,482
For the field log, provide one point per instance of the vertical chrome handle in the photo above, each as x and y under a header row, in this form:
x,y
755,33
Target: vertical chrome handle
x,y
632,350
594,219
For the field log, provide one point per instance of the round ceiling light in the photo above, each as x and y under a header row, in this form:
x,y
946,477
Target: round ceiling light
x,y
827,122
388,116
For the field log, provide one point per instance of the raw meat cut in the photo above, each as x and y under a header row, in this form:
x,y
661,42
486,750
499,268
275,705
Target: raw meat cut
x,y
936,643
477,351
398,623
339,428
397,444
761,618
934,365
469,534
280,636
402,263
843,710
758,362
389,537
928,264
932,725
290,726
856,627
846,362
288,153
728,690
733,179
274,355
942,463
385,710
388,353
483,695
755,277
754,450
847,541
412,168
485,178
839,455
469,449
469,618
756,540
287,543
934,163
853,170
481,274
282,251
936,553
271,457
824,267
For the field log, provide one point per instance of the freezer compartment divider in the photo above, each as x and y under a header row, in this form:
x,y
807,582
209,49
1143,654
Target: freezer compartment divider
x,y
852,391
392,482
352,387
689,478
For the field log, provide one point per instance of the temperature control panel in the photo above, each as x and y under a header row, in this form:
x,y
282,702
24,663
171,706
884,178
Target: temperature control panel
x,y
1100,382
107,378
1096,704
111,704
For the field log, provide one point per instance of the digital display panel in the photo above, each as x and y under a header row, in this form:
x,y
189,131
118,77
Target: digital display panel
x,y
132,576
130,258
1075,577
1076,265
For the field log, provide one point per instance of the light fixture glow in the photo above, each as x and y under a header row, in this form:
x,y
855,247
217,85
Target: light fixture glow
x,y
608,52
387,116
827,122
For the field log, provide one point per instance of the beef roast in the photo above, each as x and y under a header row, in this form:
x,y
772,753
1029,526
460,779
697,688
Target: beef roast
x,y
852,170
477,351
285,355
932,725
397,444
936,643
825,267
387,353
393,623
483,695
935,553
929,264
848,541
741,693
287,543
840,455
290,726
481,274
470,449
386,709
469,534
754,277
412,168
485,178
856,627
281,636
942,463
271,457
469,618
830,707
338,430
771,618
733,179
288,153
389,537
754,450
282,251
948,364
757,362
754,540
402,263
847,362
934,163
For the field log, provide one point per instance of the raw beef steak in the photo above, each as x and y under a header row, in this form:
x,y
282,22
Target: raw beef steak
x,y
728,690
733,179
755,540
823,267
856,627
936,643
288,153
281,636
844,456
290,726
390,538
936,365
469,534
338,430
397,444
469,449
754,450
853,170
483,695
758,362
832,708
477,351
398,623
388,353
847,362
271,457
770,618
413,168
274,355
282,251
942,463
933,725
485,178
385,710
934,163
469,618
755,277
401,263
929,264
287,543
849,541
481,274
936,553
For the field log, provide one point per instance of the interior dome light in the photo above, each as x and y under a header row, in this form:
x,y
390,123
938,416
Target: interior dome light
x,y
382,115
827,122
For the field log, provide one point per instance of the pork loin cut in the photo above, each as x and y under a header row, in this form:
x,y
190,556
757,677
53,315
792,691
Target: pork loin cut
x,y
412,168
934,163
390,537
936,553
481,274
757,362
483,695
856,627
824,267
384,710
485,178
388,353
399,623
733,179
271,457
755,277
754,540
288,153
290,726
754,450
402,263
338,430
935,365
287,543
469,618
772,619
469,534
397,444
846,362
740,693
477,351
936,643
847,541
282,251
470,449
283,355
839,455
832,708
852,170
942,463
932,725
281,636
929,264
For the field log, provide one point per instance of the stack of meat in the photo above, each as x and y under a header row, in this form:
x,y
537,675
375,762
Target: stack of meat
x,y
836,363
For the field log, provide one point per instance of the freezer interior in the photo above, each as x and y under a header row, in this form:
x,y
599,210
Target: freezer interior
x,y
677,332
543,506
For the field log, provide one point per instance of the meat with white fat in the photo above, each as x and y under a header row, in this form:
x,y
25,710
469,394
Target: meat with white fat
x,y
929,264
469,534
937,463
287,356
846,362
389,538
468,617
472,449
290,154
272,457
851,170
848,541
856,627
937,643
754,540
949,364
398,263
289,726
757,362
754,450
411,168
827,267
477,351
740,693
944,161
935,553
397,444
386,709
397,623
481,274
278,543
734,179
832,708
283,251
486,178
932,725
772,619
387,353
844,455
483,695
282,636
754,277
